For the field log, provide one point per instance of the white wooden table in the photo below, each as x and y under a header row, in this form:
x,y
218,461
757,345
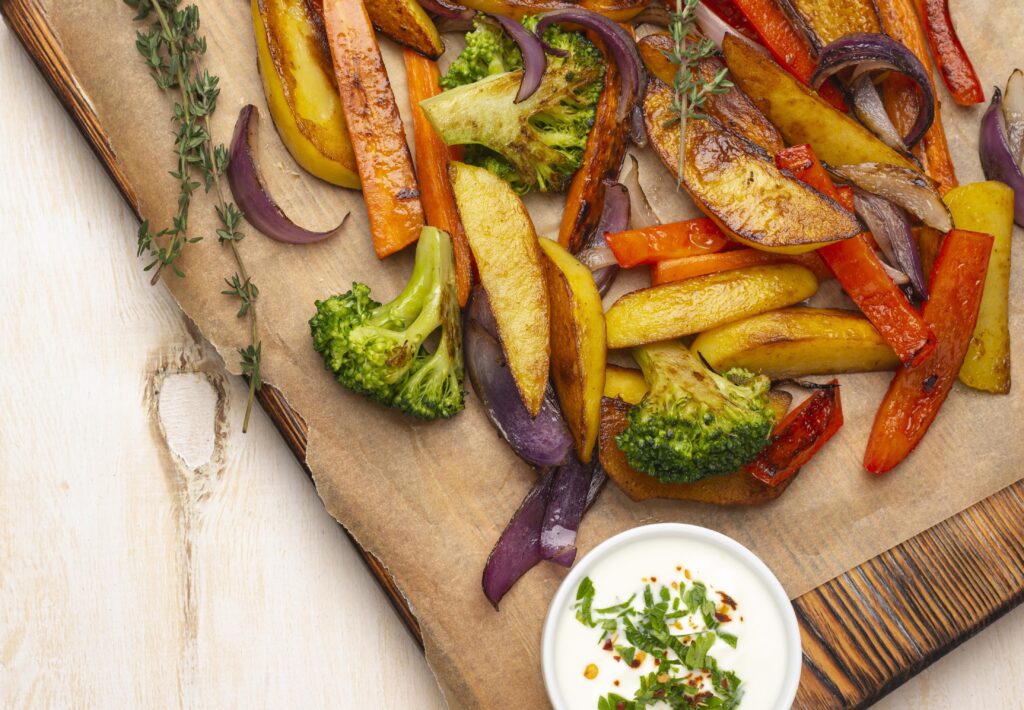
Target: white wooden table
x,y
151,555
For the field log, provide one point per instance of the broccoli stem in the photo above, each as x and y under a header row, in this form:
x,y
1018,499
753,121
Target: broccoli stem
x,y
670,368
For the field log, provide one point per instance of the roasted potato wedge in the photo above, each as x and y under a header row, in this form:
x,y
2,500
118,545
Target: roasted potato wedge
x,y
407,23
988,207
298,80
794,342
826,22
738,488
681,308
732,107
578,349
511,266
735,182
800,114
625,383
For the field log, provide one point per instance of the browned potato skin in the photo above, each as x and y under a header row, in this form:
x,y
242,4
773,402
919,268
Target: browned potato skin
x,y
732,107
794,342
736,183
680,308
511,266
738,488
578,352
407,23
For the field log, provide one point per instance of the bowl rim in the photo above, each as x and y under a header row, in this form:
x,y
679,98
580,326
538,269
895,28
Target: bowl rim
x,y
755,564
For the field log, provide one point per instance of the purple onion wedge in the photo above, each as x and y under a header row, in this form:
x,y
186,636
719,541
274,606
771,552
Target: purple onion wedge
x,y
614,218
541,441
909,189
567,501
996,157
891,229
534,59
247,186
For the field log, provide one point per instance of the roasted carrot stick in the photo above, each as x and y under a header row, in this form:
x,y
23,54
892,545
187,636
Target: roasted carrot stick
x,y
790,48
917,392
799,436
702,264
860,272
382,156
602,160
950,56
899,20
666,241
432,157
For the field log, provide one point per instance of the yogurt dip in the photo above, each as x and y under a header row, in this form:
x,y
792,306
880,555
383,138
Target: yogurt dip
x,y
688,586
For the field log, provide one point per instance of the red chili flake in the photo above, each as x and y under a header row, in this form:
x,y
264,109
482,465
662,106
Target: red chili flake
x,y
617,658
727,600
620,706
725,681
659,693
657,661
615,683
654,579
722,618
635,663
608,645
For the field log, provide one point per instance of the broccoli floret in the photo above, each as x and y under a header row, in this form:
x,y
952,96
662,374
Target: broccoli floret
x,y
539,143
694,423
378,350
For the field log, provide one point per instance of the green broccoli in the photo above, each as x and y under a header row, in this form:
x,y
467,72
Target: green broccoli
x,y
378,351
694,423
539,143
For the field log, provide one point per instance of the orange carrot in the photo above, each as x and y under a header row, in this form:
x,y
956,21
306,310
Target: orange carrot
x,y
666,241
432,158
702,264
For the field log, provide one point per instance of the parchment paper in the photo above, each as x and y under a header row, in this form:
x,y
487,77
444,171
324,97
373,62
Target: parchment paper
x,y
430,499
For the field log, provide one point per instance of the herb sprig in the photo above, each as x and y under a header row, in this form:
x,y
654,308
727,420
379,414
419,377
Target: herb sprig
x,y
173,50
655,629
691,88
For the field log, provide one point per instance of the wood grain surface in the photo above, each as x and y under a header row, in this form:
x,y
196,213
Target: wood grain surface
x,y
866,631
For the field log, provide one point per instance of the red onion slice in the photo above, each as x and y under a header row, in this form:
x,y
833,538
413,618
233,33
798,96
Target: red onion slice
x,y
247,186
997,159
891,229
902,186
447,9
618,43
641,214
614,218
567,501
714,27
868,107
870,52
534,59
1013,114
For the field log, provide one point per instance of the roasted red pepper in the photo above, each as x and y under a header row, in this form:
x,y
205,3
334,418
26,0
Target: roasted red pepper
x,y
789,47
858,269
666,241
799,436
950,56
917,392
727,10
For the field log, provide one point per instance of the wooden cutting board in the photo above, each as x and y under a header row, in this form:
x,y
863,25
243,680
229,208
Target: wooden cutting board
x,y
864,632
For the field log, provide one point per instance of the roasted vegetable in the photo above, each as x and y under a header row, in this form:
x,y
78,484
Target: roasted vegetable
x,y
578,349
658,242
308,114
689,267
917,392
537,143
618,10
987,207
826,22
510,261
794,342
950,56
800,115
735,182
377,350
681,308
407,23
385,165
694,423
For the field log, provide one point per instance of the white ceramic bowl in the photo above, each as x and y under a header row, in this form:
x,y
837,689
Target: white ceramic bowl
x,y
790,643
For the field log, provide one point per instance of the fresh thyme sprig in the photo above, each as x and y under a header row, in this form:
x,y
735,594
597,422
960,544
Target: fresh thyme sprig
x,y
173,49
691,88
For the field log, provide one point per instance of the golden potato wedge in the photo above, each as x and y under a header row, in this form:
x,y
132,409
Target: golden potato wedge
x,y
794,342
988,207
826,22
578,350
407,23
681,308
800,115
511,266
738,488
298,80
737,184
625,383
731,107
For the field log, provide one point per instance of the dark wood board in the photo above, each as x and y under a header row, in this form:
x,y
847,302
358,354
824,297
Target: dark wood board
x,y
864,632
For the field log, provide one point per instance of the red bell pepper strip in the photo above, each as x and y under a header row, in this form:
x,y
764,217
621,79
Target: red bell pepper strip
x,y
690,266
861,274
799,436
790,48
666,241
950,56
727,10
917,392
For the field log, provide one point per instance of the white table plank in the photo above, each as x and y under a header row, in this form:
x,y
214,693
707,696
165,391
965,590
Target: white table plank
x,y
128,578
